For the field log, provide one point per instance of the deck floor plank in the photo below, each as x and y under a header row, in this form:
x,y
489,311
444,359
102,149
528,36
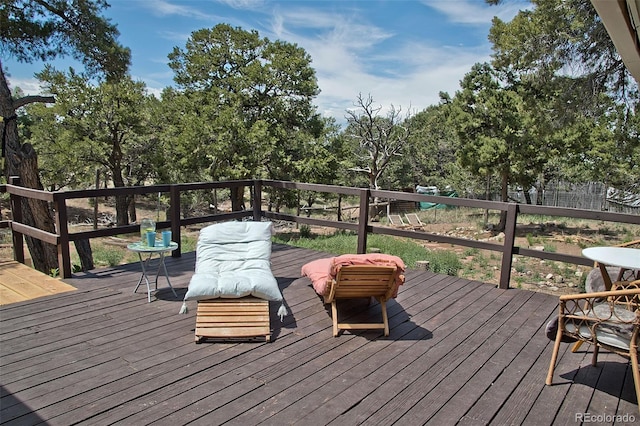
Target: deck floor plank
x,y
438,383
481,396
19,282
459,351
455,318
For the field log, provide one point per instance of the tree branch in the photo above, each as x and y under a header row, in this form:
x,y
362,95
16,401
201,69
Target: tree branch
x,y
33,99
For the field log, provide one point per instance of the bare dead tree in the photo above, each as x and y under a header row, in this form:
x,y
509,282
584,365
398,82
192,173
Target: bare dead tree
x,y
381,138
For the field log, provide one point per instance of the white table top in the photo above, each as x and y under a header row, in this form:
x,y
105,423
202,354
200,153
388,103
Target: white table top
x,y
143,248
623,257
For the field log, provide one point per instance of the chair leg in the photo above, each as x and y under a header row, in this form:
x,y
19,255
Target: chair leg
x,y
594,358
385,318
554,356
636,372
576,346
334,315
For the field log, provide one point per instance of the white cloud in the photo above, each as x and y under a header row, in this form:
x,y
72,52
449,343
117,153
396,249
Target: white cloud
x,y
165,8
174,36
475,11
156,92
29,86
243,4
348,31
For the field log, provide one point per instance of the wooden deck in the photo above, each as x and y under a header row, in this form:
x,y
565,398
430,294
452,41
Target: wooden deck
x,y
19,282
459,352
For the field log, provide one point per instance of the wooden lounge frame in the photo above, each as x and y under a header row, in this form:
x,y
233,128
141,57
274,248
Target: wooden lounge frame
x,y
362,281
414,221
244,318
396,220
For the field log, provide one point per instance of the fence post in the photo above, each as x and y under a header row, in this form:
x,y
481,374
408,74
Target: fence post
x,y
16,216
509,242
174,212
62,228
363,221
257,200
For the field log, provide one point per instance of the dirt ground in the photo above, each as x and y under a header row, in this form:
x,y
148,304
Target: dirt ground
x,y
527,273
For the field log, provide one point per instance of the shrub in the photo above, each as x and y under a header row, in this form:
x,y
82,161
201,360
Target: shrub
x,y
470,252
305,231
444,262
104,255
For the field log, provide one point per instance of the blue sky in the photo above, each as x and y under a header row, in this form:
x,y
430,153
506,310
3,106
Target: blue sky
x,y
401,52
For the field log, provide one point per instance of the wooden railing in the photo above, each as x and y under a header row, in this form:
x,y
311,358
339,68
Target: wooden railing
x,y
363,227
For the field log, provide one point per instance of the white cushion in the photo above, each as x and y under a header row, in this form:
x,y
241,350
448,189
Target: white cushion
x,y
232,261
236,232
615,329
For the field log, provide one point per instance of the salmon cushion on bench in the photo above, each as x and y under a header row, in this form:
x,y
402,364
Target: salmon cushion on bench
x,y
322,271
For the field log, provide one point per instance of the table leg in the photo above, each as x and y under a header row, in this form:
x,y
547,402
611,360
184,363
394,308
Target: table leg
x,y
605,276
162,266
144,276
145,265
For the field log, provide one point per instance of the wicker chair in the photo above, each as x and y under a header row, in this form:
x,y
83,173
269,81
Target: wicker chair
x,y
624,278
607,319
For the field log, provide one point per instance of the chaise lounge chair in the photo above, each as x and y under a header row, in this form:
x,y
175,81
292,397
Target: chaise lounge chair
x,y
233,282
352,276
414,221
396,220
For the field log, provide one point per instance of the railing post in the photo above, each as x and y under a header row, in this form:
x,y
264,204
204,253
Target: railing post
x,y
174,213
16,216
509,242
62,229
257,200
363,221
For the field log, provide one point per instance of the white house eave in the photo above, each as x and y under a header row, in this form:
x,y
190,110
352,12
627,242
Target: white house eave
x,y
621,18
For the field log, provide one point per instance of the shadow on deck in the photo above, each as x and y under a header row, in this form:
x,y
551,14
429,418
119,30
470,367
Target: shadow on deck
x,y
459,351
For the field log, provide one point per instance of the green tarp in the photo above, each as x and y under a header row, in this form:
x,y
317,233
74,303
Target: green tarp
x,y
432,190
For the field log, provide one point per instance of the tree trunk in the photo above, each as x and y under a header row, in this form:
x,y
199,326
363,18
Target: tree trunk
x,y
22,161
133,215
504,195
36,213
83,247
237,199
485,216
540,187
122,210
309,204
122,201
95,201
115,161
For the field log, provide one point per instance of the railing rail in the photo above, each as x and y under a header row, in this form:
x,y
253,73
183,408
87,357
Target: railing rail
x,y
62,237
